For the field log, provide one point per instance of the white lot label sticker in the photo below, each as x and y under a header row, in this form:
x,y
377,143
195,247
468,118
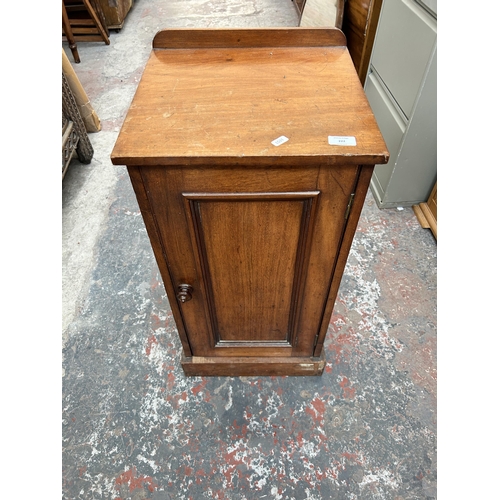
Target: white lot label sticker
x,y
279,141
341,140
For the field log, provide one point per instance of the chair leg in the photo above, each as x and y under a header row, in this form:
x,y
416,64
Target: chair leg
x,y
69,34
95,18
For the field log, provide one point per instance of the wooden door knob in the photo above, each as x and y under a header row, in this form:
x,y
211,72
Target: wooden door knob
x,y
184,292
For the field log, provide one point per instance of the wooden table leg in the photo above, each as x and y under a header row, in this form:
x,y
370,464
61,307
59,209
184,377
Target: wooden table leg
x,y
69,34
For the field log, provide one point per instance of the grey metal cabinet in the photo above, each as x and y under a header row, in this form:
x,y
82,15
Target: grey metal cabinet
x,y
401,88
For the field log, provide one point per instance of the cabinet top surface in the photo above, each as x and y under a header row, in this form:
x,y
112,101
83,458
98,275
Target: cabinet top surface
x,y
222,96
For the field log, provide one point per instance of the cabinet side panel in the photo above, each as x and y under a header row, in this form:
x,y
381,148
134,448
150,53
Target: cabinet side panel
x,y
163,188
136,178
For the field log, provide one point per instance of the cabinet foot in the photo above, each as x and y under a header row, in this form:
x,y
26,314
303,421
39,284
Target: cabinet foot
x,y
251,366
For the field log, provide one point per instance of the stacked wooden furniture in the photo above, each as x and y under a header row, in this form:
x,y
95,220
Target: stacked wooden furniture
x,y
115,12
359,25
83,21
68,34
69,142
74,133
250,152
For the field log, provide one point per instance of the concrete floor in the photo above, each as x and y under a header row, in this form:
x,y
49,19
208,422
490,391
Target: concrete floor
x,y
134,427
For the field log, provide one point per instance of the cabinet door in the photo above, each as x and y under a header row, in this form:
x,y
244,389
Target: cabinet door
x,y
258,249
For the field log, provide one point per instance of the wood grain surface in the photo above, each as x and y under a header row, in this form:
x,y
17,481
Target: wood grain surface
x,y
197,104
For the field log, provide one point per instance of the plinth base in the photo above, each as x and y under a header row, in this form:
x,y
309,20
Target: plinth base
x,y
250,366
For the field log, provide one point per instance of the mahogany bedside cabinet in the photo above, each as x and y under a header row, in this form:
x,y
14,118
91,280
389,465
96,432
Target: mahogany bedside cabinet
x,y
250,152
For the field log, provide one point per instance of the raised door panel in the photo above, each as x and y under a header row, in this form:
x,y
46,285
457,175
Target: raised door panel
x,y
252,253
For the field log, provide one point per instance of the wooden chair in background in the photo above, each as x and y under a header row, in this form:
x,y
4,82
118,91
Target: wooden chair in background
x,y
83,21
